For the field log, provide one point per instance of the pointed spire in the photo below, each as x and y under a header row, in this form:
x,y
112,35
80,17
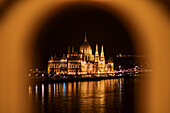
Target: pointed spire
x,y
72,49
55,56
85,39
51,57
96,52
102,47
102,52
96,47
69,49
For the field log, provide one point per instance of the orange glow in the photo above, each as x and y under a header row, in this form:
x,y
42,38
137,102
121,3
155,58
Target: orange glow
x,y
21,21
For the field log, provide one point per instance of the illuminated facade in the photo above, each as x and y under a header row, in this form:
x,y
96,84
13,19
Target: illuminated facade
x,y
82,62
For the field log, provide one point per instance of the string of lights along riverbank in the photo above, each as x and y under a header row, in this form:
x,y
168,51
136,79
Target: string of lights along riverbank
x,y
81,62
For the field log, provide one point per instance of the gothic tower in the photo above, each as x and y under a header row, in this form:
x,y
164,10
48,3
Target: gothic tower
x,y
72,49
68,54
96,60
102,61
85,39
96,54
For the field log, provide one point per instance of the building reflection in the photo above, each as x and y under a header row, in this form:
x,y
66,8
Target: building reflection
x,y
94,96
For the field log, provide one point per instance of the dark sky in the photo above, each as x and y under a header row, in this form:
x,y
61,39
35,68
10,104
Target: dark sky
x,y
68,27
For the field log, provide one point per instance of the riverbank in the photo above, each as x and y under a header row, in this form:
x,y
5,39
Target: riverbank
x,y
75,79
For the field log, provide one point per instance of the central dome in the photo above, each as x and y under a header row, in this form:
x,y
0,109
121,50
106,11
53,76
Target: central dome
x,y
85,48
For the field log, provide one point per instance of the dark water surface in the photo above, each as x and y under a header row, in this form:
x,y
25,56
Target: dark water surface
x,y
105,96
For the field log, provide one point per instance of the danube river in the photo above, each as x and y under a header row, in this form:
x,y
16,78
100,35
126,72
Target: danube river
x,y
105,96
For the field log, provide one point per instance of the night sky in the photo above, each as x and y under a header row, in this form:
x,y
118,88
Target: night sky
x,y
68,27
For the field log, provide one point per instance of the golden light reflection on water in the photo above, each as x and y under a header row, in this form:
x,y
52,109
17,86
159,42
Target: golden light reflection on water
x,y
29,89
78,96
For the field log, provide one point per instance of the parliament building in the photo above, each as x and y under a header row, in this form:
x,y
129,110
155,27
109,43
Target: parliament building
x,y
81,62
